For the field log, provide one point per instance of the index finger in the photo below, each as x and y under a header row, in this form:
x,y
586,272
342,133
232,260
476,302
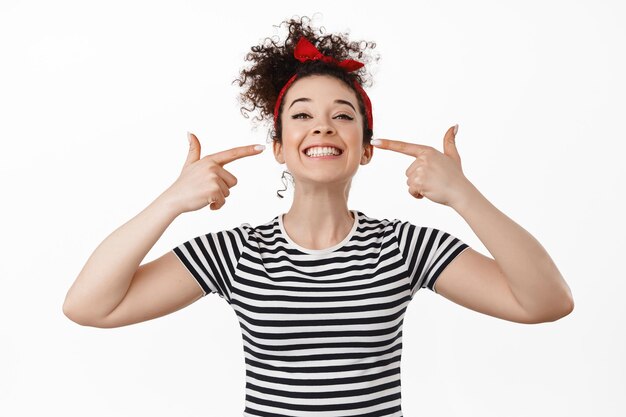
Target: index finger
x,y
406,148
229,155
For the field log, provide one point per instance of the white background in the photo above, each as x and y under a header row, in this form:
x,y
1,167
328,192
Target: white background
x,y
95,102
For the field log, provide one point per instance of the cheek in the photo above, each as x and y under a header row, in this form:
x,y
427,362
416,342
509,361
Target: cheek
x,y
353,129
294,129
292,142
293,137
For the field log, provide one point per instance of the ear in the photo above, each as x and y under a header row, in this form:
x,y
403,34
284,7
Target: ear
x,y
368,153
278,152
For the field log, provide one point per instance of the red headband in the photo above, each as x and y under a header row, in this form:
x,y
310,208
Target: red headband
x,y
306,51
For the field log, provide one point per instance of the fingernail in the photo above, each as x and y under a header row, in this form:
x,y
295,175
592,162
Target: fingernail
x,y
375,142
456,129
259,147
189,137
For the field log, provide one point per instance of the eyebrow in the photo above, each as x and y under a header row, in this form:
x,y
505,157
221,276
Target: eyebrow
x,y
339,101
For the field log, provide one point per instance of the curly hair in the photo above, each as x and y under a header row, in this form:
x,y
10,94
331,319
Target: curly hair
x,y
274,64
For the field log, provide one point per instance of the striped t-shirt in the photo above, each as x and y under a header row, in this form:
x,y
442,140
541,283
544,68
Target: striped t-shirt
x,y
322,329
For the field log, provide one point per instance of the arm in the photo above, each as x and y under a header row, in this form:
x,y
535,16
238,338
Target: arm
x,y
106,277
521,270
112,290
522,283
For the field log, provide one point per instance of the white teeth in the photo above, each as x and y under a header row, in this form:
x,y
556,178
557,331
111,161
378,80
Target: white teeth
x,y
322,151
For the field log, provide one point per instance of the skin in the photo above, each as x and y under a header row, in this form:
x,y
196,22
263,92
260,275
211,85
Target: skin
x,y
319,216
521,283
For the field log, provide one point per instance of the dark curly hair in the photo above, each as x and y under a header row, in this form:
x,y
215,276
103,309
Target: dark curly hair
x,y
274,64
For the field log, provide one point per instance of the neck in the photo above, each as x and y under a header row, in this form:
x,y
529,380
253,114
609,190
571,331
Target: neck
x,y
319,217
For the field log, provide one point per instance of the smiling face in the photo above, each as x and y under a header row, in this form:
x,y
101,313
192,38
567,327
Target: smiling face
x,y
321,109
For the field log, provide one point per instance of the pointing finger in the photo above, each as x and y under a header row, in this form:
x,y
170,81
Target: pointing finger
x,y
227,156
407,148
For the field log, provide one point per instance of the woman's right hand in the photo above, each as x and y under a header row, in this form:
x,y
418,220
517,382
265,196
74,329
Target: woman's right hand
x,y
204,179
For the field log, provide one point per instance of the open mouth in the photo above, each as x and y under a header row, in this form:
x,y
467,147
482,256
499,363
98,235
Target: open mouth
x,y
337,154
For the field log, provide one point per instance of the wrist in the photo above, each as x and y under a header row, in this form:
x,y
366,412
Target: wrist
x,y
465,198
167,203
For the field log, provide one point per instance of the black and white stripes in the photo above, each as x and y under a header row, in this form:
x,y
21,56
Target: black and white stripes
x,y
321,329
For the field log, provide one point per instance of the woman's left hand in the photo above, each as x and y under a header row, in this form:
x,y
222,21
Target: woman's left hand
x,y
434,175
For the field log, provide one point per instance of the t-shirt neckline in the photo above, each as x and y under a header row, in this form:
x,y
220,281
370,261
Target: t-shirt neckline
x,y
319,251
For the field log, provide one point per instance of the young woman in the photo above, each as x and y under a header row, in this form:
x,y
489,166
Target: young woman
x,y
320,292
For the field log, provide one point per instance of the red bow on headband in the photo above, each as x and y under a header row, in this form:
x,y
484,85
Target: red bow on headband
x,y
306,51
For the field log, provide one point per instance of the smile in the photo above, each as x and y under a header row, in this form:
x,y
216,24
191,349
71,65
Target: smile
x,y
324,157
323,153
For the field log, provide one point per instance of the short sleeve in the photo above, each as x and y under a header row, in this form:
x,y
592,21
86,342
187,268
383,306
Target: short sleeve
x,y
426,251
212,258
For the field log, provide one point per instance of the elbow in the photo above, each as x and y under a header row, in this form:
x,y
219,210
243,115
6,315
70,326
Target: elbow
x,y
569,307
76,310
568,304
73,315
562,312
554,314
77,317
70,311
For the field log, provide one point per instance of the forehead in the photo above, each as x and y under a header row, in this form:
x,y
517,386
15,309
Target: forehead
x,y
320,88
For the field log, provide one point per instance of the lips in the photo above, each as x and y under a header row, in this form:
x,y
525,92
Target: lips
x,y
323,157
322,146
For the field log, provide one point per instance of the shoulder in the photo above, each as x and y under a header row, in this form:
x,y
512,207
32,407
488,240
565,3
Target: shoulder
x,y
372,223
261,233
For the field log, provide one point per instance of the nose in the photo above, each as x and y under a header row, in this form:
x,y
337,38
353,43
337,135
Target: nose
x,y
324,126
329,131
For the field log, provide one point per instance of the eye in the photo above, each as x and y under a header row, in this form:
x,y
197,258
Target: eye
x,y
345,116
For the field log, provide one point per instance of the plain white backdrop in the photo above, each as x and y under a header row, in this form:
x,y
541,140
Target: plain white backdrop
x,y
95,102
